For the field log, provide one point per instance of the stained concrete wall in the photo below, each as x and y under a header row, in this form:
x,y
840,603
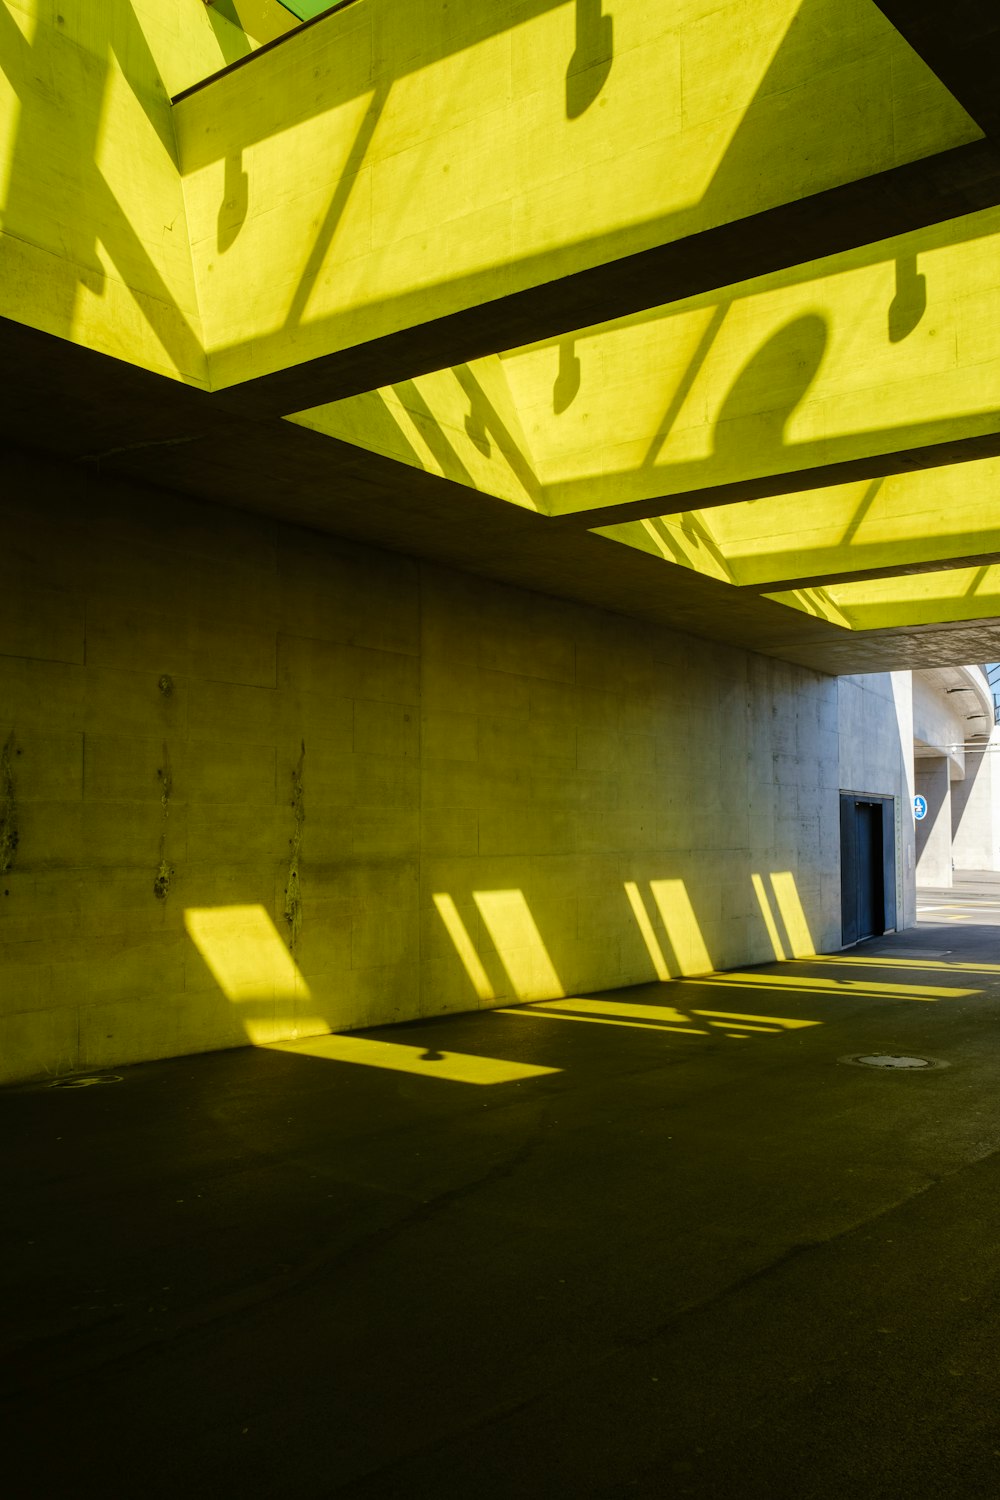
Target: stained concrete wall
x,y
500,795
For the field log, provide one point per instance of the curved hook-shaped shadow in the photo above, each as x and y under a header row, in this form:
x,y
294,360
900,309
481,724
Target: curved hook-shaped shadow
x,y
910,302
567,381
592,57
770,386
235,202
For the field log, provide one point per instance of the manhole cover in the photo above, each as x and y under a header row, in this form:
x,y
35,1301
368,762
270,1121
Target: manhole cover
x,y
85,1083
895,1060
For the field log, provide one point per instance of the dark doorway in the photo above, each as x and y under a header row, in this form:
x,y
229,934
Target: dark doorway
x,y
871,907
867,865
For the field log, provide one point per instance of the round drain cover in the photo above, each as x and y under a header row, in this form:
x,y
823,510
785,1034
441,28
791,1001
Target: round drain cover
x,y
895,1060
892,1060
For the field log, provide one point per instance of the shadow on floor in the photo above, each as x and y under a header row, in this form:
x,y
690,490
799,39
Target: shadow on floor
x,y
684,1253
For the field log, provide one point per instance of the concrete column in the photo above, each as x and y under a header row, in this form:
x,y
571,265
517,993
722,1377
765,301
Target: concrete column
x,y
932,781
975,810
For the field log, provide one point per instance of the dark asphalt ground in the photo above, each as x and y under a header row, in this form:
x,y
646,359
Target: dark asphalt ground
x,y
713,1262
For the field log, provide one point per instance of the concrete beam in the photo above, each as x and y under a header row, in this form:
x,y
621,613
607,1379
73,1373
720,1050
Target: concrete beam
x,y
920,194
912,523
934,598
830,374
119,422
872,466
403,194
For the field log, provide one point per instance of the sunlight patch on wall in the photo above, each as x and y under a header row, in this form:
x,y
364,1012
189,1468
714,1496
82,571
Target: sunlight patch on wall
x,y
760,891
251,965
793,917
464,946
649,937
681,925
454,1067
519,944
10,120
142,186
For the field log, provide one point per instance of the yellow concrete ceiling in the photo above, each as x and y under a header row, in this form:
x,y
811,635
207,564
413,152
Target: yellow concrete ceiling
x,y
691,311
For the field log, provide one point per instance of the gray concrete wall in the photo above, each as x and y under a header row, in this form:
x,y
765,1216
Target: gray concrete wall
x,y
937,724
933,781
975,810
875,722
258,782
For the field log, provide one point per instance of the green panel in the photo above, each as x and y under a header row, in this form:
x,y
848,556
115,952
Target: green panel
x,y
305,10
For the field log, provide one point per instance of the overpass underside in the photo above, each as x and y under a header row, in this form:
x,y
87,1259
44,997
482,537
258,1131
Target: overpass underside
x,y
689,312
686,312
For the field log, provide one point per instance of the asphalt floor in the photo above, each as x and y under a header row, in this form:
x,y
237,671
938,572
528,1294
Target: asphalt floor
x,y
666,1241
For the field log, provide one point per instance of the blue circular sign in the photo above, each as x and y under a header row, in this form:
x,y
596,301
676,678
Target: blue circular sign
x,y
919,807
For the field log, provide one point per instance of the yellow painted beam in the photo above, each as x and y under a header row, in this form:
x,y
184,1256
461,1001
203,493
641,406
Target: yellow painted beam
x,y
400,168
922,599
877,352
393,165
908,522
862,360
